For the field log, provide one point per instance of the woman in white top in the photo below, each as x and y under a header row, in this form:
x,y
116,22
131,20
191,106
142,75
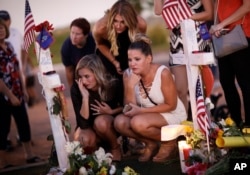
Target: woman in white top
x,y
151,95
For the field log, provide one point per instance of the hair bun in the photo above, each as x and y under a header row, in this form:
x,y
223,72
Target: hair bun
x,y
142,37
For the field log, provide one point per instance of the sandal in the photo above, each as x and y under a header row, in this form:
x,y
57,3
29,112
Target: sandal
x,y
149,151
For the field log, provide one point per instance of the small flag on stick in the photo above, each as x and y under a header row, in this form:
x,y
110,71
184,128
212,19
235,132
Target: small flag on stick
x,y
202,117
174,11
29,24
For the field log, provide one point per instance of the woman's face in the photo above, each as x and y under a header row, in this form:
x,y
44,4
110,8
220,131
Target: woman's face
x,y
88,79
77,37
137,61
2,32
119,24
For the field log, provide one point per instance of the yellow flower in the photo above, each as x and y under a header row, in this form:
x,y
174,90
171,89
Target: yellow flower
x,y
103,171
220,133
129,171
229,121
91,164
189,129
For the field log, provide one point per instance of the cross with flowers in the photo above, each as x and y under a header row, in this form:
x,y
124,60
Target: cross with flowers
x,y
53,92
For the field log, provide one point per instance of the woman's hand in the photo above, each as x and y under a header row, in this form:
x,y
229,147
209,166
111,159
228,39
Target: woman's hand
x,y
133,111
83,90
216,30
101,108
117,66
14,100
130,78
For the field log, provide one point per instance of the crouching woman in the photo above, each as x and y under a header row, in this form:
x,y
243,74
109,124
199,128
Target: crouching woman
x,y
95,105
151,95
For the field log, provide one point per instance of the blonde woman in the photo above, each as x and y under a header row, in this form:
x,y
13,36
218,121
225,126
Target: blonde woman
x,y
95,106
114,32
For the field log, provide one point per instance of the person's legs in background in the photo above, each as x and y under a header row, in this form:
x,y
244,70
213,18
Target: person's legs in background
x,y
23,127
231,67
181,82
241,63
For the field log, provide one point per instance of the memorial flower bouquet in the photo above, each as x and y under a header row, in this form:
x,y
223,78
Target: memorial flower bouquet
x,y
210,154
97,163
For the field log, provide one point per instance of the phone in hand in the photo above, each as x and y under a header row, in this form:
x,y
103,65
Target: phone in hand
x,y
224,31
126,108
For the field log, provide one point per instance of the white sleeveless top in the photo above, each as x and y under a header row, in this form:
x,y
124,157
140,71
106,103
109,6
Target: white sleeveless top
x,y
174,117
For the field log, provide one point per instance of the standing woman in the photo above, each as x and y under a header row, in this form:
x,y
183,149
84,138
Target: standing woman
x,y
236,65
95,105
151,94
202,11
113,34
12,77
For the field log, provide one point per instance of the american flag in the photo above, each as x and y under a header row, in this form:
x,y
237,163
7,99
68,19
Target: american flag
x,y
174,11
29,24
202,117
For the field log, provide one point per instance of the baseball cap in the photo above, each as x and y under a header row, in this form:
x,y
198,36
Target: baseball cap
x,y
4,15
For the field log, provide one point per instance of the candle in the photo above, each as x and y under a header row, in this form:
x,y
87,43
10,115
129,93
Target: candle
x,y
184,150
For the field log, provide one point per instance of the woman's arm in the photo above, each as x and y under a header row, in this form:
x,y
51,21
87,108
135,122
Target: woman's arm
x,y
129,81
100,34
84,109
238,14
207,14
13,99
158,5
142,24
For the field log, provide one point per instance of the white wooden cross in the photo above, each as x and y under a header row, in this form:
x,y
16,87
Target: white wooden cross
x,y
192,62
49,82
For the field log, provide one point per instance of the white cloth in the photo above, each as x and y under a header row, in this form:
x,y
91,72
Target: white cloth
x,y
174,117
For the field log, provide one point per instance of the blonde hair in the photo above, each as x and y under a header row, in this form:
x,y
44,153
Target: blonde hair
x,y
126,10
103,78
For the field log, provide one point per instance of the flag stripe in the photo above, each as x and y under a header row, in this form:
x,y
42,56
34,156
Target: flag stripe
x,y
174,11
202,117
29,24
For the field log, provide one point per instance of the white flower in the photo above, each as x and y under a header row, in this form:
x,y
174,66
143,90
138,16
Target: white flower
x,y
73,148
112,170
78,150
222,122
83,171
102,157
83,156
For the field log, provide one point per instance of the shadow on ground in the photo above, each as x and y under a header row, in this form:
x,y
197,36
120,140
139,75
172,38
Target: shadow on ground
x,y
146,168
